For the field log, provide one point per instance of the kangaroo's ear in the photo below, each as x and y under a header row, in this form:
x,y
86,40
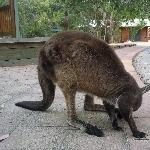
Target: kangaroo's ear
x,y
145,88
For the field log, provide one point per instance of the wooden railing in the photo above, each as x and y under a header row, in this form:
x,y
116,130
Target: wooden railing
x,y
7,20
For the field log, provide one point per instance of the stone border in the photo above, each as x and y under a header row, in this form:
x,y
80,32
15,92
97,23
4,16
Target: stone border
x,y
141,63
122,45
12,43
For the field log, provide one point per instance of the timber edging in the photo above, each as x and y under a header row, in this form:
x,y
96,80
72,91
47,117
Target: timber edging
x,y
122,45
13,43
15,52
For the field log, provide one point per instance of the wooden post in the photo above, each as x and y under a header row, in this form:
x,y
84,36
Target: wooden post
x,y
16,18
12,13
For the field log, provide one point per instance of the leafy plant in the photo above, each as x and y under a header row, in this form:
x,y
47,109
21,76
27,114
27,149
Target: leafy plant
x,y
3,2
102,18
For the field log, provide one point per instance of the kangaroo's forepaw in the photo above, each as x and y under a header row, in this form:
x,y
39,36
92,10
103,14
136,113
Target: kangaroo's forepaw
x,y
139,134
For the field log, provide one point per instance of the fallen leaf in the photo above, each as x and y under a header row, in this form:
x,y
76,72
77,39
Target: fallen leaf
x,y
1,107
3,137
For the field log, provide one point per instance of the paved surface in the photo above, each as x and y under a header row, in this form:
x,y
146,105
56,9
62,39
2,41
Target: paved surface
x,y
48,130
143,70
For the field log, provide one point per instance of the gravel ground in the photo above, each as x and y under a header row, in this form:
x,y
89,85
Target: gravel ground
x,y
48,130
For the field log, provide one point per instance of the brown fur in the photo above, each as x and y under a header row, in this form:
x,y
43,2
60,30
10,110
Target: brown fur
x,y
78,62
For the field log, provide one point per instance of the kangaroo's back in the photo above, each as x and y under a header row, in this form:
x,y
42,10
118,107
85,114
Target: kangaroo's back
x,y
89,63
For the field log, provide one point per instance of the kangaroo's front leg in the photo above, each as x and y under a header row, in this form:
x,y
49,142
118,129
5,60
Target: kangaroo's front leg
x,y
72,117
126,112
113,116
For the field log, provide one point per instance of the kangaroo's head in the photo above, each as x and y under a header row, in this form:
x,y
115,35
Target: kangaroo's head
x,y
133,97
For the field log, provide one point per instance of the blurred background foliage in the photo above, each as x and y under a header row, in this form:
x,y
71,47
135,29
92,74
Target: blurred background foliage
x,y
100,17
3,2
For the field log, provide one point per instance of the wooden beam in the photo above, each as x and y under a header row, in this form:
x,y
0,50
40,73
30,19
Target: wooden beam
x,y
12,11
16,19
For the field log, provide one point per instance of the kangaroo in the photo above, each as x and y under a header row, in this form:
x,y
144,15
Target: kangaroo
x,y
79,62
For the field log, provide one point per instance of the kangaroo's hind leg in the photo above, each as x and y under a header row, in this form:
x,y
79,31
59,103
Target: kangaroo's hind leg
x,y
72,116
48,90
69,95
